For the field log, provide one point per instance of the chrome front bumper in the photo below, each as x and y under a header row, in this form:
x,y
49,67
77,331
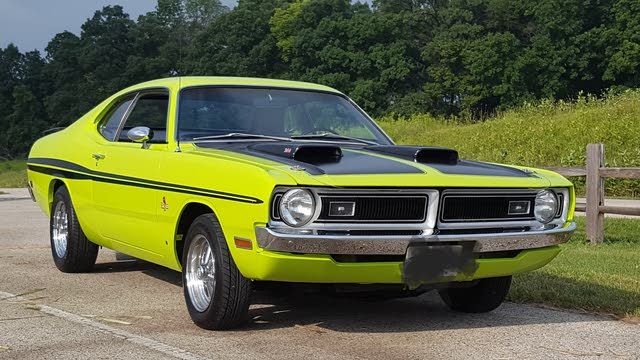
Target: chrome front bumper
x,y
268,239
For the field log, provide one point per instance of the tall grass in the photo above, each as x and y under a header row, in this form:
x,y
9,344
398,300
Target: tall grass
x,y
13,174
544,134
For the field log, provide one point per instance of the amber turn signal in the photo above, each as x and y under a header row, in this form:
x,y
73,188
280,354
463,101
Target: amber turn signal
x,y
243,243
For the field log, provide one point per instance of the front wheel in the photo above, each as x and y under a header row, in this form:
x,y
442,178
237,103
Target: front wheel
x,y
72,251
484,296
216,293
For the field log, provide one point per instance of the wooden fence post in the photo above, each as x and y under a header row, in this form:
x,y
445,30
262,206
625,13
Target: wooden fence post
x,y
595,193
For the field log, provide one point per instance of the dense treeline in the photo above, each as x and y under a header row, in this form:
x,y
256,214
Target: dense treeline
x,y
469,57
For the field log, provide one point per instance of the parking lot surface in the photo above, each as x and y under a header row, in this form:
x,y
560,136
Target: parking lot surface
x,y
133,309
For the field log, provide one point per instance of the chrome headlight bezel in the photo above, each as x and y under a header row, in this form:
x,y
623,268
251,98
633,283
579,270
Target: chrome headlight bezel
x,y
305,200
546,206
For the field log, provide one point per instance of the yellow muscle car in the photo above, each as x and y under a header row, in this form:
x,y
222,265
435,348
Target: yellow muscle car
x,y
237,182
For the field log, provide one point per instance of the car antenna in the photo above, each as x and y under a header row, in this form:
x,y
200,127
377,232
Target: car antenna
x,y
176,120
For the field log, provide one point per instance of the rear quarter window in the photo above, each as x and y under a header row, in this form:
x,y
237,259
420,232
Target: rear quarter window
x,y
109,126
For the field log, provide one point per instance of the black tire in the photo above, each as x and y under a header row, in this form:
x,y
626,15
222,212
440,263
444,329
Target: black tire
x,y
80,253
486,295
229,305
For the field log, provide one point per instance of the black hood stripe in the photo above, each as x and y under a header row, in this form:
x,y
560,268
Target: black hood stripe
x,y
362,160
351,163
69,170
468,167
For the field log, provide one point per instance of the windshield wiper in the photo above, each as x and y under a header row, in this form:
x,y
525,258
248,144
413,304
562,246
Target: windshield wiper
x,y
239,136
333,136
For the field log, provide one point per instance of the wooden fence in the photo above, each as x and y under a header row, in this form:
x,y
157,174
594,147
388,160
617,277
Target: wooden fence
x,y
596,173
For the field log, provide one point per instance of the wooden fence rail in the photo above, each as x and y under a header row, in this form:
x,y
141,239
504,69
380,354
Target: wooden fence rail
x,y
596,172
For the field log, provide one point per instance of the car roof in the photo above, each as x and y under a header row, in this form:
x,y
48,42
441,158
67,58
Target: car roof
x,y
196,81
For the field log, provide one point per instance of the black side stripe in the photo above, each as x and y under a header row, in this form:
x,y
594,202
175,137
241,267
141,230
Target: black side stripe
x,y
71,170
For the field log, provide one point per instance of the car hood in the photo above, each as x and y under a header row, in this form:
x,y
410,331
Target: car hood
x,y
341,165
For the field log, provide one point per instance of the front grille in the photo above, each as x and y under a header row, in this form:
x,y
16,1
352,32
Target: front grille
x,y
410,207
379,208
462,207
368,208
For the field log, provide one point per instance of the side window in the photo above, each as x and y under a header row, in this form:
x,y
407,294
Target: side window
x,y
109,126
150,110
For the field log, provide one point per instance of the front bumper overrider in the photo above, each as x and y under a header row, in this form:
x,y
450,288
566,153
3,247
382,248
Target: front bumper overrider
x,y
270,239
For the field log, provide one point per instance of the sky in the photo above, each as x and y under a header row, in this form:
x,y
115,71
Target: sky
x,y
30,24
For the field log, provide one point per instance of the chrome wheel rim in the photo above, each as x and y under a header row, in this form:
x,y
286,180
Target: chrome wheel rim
x,y
200,273
60,229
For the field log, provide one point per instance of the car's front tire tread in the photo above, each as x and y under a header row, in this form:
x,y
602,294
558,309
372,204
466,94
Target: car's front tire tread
x,y
237,290
230,304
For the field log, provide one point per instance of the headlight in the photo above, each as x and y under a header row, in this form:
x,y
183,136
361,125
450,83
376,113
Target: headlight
x,y
546,206
297,207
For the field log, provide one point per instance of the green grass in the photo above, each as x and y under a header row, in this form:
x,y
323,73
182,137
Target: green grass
x,y
546,134
603,278
13,174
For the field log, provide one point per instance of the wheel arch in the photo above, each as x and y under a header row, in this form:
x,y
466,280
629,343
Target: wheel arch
x,y
54,185
189,213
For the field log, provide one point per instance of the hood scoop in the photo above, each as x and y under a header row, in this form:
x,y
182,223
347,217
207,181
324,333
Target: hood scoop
x,y
311,154
423,155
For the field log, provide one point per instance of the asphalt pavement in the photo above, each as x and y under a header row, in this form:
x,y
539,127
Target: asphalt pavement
x,y
135,310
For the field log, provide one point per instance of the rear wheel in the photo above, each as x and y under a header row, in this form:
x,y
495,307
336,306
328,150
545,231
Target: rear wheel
x,y
484,296
216,293
72,251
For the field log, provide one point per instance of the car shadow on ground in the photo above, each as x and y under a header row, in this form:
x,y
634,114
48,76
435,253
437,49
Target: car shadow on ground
x,y
322,311
147,268
123,266
422,313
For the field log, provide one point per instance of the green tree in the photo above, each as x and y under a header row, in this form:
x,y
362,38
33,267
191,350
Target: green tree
x,y
372,55
9,65
22,88
466,58
238,43
63,72
26,122
623,63
106,43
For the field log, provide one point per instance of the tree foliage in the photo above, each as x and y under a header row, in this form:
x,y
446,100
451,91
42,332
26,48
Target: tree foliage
x,y
444,57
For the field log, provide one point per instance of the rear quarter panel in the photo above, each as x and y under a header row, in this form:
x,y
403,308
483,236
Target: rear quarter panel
x,y
70,144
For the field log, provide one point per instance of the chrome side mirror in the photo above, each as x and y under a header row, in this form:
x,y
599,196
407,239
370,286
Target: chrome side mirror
x,y
140,134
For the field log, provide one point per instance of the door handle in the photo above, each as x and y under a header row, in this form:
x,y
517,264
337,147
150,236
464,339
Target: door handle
x,y
97,156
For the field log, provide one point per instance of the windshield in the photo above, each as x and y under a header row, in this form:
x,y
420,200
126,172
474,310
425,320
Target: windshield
x,y
209,112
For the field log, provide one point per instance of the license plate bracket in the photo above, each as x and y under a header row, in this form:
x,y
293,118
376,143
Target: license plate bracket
x,y
437,263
